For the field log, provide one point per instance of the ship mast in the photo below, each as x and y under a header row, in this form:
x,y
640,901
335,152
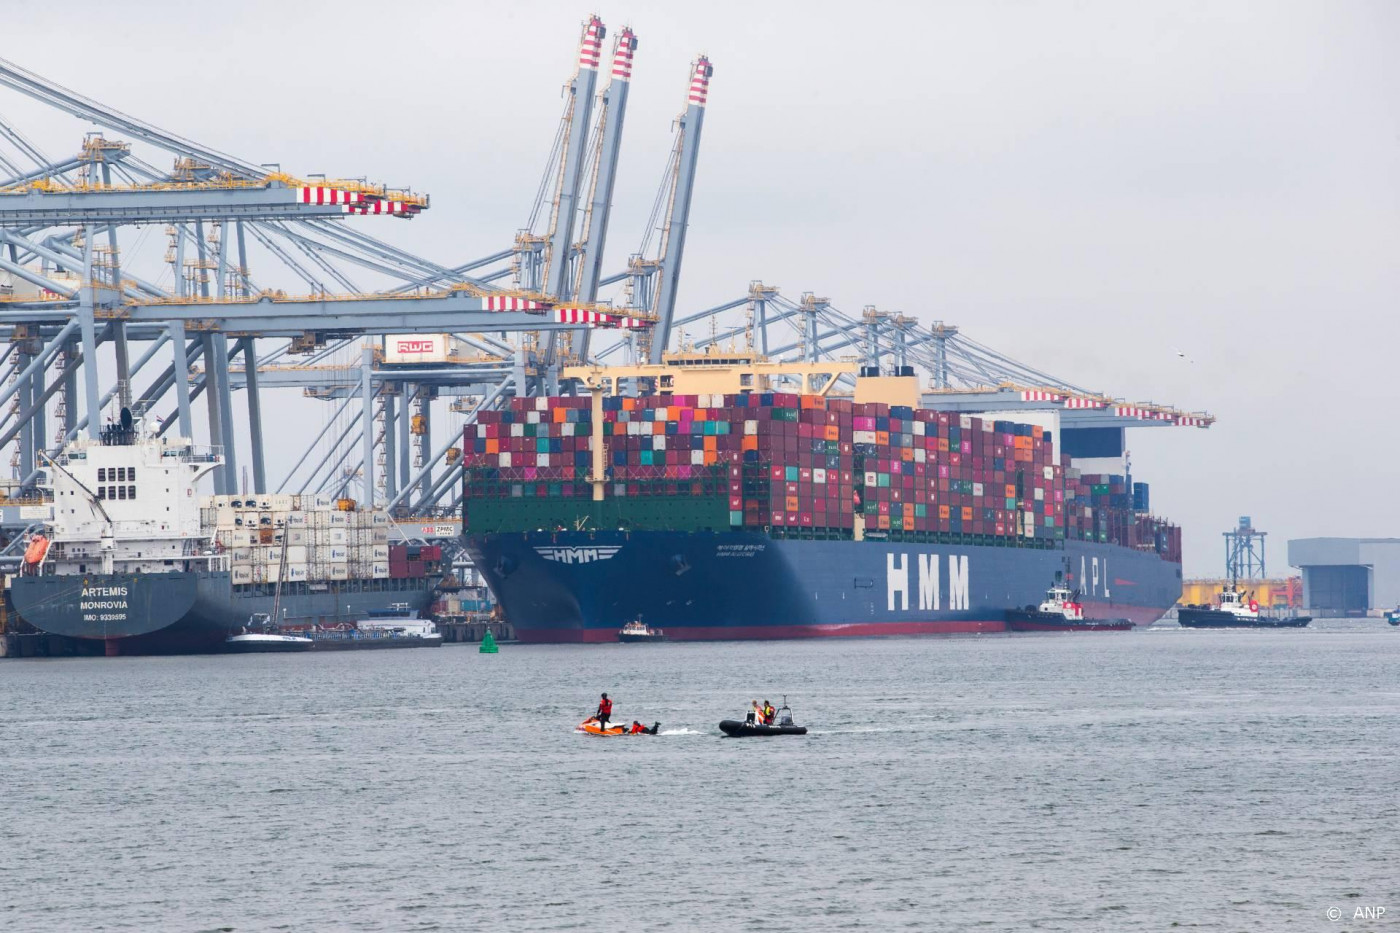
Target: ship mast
x,y
281,573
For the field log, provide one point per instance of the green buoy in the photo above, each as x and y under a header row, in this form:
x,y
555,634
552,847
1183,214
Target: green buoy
x,y
488,644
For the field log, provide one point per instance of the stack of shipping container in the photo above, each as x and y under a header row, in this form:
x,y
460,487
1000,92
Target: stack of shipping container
x,y
410,561
322,541
805,464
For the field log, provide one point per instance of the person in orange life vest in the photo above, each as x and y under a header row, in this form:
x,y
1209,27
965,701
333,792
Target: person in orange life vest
x,y
604,712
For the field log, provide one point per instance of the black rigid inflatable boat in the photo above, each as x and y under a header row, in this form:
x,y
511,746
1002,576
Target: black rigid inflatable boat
x,y
733,727
738,729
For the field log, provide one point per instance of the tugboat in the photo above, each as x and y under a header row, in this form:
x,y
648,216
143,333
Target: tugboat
x,y
1393,617
1059,612
784,726
1234,611
638,631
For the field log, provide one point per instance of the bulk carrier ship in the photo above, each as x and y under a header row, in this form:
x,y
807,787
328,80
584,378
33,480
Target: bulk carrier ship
x,y
135,562
750,513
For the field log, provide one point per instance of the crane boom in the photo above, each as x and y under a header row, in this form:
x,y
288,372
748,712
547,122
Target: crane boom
x,y
678,216
575,149
614,109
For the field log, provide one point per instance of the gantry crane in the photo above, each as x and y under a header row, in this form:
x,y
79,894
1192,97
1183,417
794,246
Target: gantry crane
x,y
73,300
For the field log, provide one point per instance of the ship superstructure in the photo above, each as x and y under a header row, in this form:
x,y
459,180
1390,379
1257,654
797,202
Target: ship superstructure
x,y
127,502
133,560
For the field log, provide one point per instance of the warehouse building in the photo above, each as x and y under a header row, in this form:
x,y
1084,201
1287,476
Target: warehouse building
x,y
1348,576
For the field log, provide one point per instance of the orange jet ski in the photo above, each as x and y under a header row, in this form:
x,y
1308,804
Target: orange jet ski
x,y
590,726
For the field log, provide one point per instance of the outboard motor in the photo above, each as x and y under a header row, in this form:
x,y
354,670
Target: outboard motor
x,y
784,714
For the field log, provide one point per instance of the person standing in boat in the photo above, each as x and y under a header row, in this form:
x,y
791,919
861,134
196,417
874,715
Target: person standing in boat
x,y
768,713
604,712
755,715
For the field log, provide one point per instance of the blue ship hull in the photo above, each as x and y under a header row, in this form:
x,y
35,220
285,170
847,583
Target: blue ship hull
x,y
190,612
584,586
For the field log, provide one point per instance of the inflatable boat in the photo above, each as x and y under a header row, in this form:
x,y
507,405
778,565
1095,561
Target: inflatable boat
x,y
737,729
784,725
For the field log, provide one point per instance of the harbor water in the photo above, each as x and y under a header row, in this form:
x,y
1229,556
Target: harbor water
x,y
1143,780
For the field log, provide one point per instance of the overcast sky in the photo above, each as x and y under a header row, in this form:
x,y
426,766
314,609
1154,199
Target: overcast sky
x,y
1092,188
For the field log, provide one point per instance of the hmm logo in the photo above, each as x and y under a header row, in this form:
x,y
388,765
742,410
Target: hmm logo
x,y
930,588
576,555
416,346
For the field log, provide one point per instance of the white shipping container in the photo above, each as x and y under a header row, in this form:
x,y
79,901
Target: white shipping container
x,y
242,575
380,553
328,555
338,536
297,520
336,518
380,571
380,518
241,556
338,571
296,554
296,536
380,536
296,574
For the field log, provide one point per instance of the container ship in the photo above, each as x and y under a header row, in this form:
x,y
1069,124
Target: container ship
x,y
135,562
770,514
